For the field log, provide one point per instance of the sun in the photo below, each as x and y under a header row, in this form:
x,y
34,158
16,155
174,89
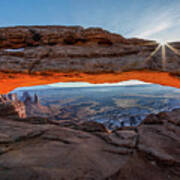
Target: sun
x,y
162,42
163,45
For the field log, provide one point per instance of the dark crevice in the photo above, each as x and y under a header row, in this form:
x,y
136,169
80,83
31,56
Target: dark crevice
x,y
33,65
58,139
24,138
125,151
35,35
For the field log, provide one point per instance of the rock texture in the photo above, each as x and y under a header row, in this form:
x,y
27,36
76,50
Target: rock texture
x,y
89,151
75,49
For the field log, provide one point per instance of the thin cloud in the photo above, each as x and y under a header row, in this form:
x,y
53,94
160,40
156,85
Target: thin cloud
x,y
159,24
159,28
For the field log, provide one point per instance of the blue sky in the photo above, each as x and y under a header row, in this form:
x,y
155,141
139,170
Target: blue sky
x,y
153,19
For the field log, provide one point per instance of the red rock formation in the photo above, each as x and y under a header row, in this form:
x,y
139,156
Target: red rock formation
x,y
20,37
67,49
69,150
75,49
12,106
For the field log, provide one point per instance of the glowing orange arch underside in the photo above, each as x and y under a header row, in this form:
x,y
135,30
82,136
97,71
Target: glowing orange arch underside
x,y
8,82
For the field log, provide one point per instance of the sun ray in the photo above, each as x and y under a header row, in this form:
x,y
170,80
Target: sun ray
x,y
162,45
162,42
163,57
153,53
177,52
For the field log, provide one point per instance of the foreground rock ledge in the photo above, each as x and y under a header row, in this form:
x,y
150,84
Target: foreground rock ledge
x,y
52,151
